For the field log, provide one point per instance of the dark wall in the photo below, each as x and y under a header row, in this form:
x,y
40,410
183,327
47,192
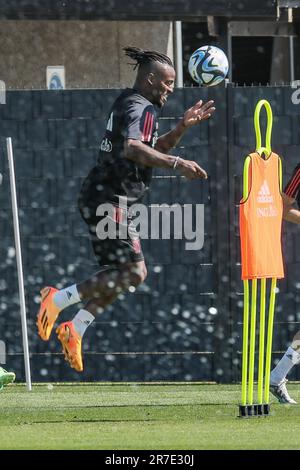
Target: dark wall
x,y
190,305
132,9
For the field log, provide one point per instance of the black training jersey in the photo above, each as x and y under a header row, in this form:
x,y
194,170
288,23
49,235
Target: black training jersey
x,y
131,117
292,189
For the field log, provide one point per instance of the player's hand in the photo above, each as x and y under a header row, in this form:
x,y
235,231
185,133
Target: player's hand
x,y
197,113
191,170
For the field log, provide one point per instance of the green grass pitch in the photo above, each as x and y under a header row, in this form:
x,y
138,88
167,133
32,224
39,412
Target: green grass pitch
x,y
141,416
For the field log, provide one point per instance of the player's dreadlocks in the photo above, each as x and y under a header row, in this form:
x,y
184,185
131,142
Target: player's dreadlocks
x,y
145,57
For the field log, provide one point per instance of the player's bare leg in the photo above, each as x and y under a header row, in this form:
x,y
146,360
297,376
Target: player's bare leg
x,y
284,366
102,289
105,286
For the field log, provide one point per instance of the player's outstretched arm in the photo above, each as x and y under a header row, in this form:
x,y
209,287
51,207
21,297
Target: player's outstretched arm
x,y
192,116
289,212
142,154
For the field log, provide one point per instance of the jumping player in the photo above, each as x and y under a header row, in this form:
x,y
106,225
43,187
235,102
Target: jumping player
x,y
128,152
292,355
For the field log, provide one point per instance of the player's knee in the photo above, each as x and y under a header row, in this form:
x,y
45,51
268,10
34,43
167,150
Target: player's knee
x,y
296,342
137,274
143,273
137,277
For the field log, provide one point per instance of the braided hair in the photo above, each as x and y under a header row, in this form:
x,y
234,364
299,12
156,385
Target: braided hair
x,y
146,57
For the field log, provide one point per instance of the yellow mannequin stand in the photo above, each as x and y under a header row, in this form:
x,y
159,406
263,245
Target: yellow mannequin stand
x,y
247,408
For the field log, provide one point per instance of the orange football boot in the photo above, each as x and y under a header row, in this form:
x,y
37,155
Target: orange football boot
x,y
71,344
48,313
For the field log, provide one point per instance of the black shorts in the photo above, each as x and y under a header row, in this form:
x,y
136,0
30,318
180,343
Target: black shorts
x,y
114,251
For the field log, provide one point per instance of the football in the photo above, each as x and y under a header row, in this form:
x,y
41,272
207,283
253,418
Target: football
x,y
208,66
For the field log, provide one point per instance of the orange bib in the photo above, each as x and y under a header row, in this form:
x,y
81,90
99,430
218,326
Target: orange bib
x,y
260,220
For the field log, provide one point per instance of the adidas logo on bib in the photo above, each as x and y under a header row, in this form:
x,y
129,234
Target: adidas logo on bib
x,y
264,194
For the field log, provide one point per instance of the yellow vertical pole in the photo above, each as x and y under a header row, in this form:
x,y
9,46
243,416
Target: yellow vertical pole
x,y
269,340
245,342
265,386
252,341
260,381
246,301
